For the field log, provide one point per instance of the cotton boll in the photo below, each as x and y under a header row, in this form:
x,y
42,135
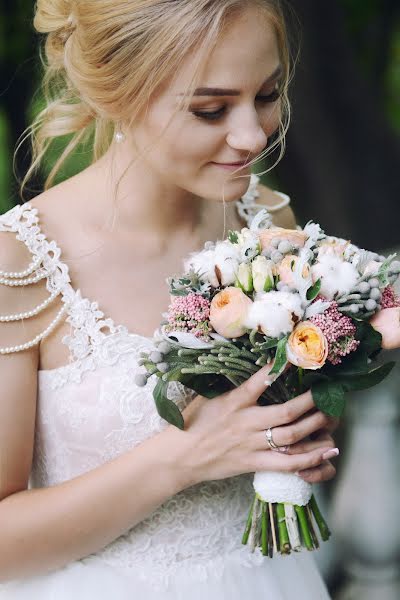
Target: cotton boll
x,y
203,263
336,276
226,259
273,312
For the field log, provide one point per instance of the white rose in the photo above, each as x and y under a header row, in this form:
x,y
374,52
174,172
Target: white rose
x,y
263,274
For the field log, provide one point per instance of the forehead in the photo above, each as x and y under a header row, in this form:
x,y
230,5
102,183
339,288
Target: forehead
x,y
245,54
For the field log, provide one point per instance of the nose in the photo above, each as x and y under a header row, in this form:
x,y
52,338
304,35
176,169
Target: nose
x,y
246,132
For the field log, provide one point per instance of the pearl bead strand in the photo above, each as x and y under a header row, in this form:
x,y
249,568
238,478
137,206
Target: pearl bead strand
x,y
30,313
22,282
32,267
38,338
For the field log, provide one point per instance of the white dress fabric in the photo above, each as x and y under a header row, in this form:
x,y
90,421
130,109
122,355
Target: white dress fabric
x,y
89,412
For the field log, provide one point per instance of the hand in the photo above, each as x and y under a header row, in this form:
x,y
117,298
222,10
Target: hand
x,y
319,439
225,436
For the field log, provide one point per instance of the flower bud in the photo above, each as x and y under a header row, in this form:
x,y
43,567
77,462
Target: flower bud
x,y
156,357
370,304
140,379
244,277
164,347
263,274
163,367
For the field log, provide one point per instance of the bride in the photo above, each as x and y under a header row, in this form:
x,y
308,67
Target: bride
x,y
99,497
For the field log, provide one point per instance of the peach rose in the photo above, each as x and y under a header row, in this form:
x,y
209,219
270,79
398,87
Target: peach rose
x,y
297,238
387,323
228,311
285,269
307,346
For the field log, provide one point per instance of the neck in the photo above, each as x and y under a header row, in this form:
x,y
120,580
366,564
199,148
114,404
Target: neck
x,y
140,206
145,203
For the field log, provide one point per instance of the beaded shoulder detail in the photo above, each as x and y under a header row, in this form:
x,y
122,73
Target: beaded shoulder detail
x,y
88,325
23,220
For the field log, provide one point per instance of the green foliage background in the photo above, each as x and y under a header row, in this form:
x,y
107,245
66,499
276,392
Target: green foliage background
x,y
20,65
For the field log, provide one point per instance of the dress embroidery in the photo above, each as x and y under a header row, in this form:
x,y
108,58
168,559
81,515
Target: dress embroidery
x,y
90,411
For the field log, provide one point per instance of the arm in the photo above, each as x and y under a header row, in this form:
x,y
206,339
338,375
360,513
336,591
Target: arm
x,y
44,529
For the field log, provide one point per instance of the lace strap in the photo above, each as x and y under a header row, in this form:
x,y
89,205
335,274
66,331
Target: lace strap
x,y
248,207
45,264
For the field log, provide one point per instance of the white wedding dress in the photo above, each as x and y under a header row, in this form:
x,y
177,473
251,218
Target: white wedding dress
x,y
89,412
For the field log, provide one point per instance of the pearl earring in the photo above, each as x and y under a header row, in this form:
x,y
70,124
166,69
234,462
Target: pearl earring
x,y
119,135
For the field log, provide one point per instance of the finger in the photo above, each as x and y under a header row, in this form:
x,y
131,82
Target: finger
x,y
249,391
279,414
300,429
277,461
309,445
323,472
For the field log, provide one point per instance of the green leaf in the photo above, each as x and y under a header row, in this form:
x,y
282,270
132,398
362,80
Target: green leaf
x,y
366,380
371,340
329,397
280,356
165,407
271,343
314,290
312,377
233,237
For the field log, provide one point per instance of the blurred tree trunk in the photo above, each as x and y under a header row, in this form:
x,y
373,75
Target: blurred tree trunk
x,y
343,159
18,77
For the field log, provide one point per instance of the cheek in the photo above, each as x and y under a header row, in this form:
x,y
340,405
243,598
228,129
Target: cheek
x,y
270,119
185,146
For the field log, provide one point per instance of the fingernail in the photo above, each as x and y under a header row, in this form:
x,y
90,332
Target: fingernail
x,y
330,453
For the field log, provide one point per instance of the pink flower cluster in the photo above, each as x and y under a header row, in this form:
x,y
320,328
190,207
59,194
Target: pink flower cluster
x,y
339,330
189,314
389,298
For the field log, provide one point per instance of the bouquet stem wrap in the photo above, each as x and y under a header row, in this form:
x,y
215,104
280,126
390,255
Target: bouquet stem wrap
x,y
283,516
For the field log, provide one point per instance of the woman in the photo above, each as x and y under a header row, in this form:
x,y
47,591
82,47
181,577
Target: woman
x,y
120,505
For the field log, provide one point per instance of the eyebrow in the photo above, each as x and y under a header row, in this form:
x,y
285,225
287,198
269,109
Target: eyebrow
x,y
205,91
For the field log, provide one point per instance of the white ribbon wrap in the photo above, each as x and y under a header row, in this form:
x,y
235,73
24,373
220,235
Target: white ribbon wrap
x,y
282,487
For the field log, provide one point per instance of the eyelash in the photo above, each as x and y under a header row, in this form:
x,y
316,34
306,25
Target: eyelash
x,y
216,114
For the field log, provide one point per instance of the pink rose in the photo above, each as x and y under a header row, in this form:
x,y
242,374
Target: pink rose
x,y
297,238
228,311
387,323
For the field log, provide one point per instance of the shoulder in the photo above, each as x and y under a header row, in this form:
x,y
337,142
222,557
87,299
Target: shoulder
x,y
26,296
279,206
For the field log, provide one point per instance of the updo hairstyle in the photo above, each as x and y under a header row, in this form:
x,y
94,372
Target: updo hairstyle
x,y
104,59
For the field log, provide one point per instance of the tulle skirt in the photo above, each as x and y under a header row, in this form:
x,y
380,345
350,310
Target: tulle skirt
x,y
294,577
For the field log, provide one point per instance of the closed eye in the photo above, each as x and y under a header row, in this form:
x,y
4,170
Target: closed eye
x,y
216,114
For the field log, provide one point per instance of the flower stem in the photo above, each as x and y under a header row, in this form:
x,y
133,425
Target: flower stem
x,y
272,521
302,518
283,533
264,529
248,524
311,526
322,525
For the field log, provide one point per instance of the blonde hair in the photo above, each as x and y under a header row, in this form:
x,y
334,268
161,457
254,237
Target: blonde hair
x,y
104,59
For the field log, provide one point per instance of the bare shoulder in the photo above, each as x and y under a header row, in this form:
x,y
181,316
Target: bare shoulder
x,y
283,217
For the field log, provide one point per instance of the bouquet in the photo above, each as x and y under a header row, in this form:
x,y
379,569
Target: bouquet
x,y
314,306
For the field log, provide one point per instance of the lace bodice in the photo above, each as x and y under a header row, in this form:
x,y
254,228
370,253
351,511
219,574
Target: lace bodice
x,y
90,411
